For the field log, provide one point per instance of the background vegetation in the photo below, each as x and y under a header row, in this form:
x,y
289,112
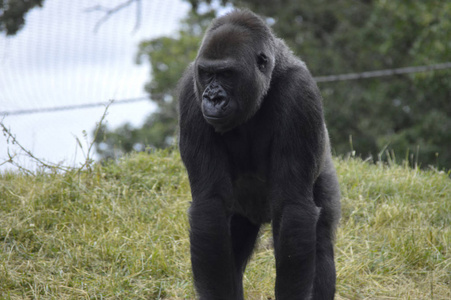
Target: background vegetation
x,y
410,115
407,114
119,231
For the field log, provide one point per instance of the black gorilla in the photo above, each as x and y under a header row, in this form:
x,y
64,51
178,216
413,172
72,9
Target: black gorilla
x,y
254,142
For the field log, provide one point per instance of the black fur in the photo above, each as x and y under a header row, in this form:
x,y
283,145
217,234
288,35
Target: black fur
x,y
254,142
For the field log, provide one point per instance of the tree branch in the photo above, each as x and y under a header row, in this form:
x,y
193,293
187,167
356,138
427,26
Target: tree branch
x,y
111,11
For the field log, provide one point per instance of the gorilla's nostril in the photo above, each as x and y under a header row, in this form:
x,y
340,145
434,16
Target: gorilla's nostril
x,y
218,100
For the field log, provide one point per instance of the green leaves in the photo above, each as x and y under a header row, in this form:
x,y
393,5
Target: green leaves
x,y
400,113
12,14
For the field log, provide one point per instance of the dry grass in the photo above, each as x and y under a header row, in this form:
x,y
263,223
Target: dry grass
x,y
120,231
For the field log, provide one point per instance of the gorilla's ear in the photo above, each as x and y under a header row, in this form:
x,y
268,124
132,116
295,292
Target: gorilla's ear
x,y
262,60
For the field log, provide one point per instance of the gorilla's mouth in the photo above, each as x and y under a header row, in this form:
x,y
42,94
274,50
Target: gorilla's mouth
x,y
215,120
216,110
220,113
221,123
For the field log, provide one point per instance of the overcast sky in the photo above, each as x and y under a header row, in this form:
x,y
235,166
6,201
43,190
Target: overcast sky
x,y
58,60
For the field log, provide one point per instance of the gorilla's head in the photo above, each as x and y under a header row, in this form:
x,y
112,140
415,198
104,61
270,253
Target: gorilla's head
x,y
233,69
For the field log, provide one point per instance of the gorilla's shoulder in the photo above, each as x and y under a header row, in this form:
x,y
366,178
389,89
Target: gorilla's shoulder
x,y
287,61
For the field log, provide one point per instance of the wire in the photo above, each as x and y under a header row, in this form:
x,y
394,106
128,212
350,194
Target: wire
x,y
381,73
330,78
72,107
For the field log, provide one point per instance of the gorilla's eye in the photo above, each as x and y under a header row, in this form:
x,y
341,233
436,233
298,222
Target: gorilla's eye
x,y
262,60
227,74
204,75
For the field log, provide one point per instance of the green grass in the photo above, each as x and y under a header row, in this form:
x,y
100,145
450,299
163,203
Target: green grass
x,y
120,231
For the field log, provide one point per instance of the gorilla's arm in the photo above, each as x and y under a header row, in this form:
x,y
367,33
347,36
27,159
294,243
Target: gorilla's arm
x,y
210,242
298,150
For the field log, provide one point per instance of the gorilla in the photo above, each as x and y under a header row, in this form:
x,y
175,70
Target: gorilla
x,y
256,149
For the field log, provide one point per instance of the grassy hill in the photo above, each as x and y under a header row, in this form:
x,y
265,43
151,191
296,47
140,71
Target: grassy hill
x,y
120,231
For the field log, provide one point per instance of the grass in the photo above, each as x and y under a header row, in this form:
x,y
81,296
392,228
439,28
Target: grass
x,y
120,231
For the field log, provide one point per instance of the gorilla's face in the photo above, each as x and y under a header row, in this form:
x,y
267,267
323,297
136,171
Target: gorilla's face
x,y
232,73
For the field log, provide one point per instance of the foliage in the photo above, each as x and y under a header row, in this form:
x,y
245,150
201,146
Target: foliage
x,y
120,231
12,14
169,57
410,115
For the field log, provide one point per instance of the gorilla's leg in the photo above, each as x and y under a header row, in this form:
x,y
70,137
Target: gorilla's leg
x,y
244,234
324,285
326,195
211,251
295,249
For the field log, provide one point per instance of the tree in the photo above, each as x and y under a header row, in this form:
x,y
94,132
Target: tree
x,y
402,114
12,14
